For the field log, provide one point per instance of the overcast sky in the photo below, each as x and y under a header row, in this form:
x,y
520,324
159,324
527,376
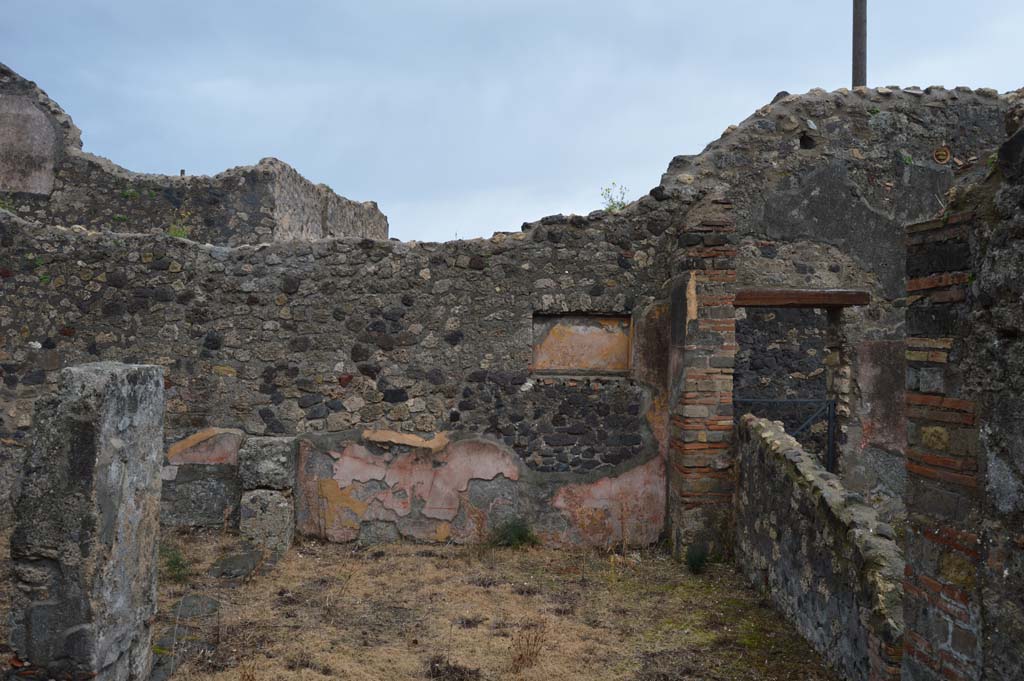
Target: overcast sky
x,y
463,117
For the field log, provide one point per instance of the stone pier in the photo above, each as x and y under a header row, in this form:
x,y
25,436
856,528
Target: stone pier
x,y
85,542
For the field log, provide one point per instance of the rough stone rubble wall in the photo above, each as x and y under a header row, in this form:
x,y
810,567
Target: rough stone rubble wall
x,y
821,554
350,335
84,547
780,355
965,575
810,192
45,176
427,339
304,211
997,338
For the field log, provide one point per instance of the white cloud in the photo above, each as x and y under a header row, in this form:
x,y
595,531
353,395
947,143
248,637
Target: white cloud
x,y
460,116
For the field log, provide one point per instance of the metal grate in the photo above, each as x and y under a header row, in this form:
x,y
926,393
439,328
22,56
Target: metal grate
x,y
825,409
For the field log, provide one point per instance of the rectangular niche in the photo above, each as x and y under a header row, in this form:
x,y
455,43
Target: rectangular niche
x,y
582,344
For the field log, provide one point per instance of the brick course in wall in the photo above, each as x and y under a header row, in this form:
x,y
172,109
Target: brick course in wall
x,y
942,608
700,472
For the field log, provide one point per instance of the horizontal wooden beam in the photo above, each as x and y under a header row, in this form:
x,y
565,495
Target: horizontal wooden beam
x,y
771,297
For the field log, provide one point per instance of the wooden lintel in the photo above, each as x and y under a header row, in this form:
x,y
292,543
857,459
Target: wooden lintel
x,y
768,297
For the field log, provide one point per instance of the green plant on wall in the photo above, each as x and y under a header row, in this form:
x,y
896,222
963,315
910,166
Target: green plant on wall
x,y
181,227
614,197
6,204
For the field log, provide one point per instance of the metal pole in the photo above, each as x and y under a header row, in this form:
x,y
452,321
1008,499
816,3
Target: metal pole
x,y
860,42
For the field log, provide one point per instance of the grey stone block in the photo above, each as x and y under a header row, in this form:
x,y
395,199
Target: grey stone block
x,y
267,519
87,521
267,463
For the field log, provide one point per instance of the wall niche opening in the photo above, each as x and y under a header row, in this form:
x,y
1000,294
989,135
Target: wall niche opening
x,y
582,344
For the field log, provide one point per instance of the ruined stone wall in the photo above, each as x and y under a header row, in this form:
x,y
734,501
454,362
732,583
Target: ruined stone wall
x,y
84,548
345,335
781,356
965,593
819,552
812,191
942,542
997,338
45,177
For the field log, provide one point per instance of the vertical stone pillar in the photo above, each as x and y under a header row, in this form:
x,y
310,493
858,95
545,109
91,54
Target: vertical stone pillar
x,y
942,543
87,523
701,475
839,378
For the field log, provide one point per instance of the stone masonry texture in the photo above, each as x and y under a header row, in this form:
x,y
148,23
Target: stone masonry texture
x,y
85,540
396,379
964,588
45,176
820,552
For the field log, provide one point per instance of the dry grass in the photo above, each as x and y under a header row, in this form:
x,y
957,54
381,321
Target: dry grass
x,y
412,612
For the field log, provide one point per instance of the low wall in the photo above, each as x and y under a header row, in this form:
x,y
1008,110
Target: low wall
x,y
220,477
378,485
381,486
824,559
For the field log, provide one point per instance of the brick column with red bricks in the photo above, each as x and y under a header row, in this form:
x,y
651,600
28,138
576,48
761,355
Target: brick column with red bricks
x,y
942,607
701,473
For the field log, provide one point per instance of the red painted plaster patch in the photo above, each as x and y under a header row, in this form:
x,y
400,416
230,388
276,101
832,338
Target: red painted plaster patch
x,y
628,507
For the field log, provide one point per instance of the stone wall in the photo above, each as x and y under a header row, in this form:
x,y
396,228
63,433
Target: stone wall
x,y
45,176
781,356
965,594
997,339
342,336
812,191
942,542
84,547
345,335
819,552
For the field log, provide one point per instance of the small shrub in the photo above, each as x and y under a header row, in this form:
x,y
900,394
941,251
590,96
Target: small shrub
x,y
697,557
129,194
614,197
178,231
527,644
6,204
180,227
514,533
176,566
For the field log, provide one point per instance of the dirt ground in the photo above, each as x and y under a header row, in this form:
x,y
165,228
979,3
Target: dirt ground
x,y
446,612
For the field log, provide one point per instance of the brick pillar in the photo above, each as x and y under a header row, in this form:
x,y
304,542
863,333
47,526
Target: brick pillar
x,y
87,526
941,605
701,473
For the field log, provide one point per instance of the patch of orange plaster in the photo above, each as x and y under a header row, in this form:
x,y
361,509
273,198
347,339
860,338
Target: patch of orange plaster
x,y
628,508
339,512
434,444
593,345
209,446
437,480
